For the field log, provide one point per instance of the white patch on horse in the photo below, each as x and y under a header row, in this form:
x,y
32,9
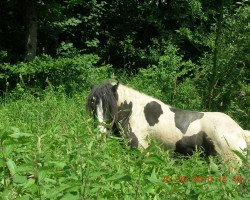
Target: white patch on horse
x,y
100,117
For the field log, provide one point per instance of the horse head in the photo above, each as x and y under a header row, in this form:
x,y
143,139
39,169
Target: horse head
x,y
102,103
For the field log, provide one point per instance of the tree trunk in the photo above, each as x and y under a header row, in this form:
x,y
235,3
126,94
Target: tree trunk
x,y
30,12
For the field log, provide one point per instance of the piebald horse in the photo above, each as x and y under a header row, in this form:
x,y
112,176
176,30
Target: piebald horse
x,y
137,116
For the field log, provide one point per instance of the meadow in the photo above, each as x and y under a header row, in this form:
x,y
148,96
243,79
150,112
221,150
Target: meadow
x,y
50,149
192,55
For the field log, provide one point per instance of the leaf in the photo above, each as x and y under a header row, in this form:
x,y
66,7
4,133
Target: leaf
x,y
188,188
59,165
8,149
17,134
69,196
25,197
149,189
241,156
94,175
29,183
6,194
153,179
25,168
121,177
153,159
50,181
42,175
214,167
98,186
52,193
126,178
11,166
90,145
19,179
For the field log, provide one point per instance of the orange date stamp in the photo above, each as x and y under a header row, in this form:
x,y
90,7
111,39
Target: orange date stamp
x,y
202,179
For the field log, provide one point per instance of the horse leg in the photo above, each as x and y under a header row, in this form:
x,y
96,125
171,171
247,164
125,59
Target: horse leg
x,y
234,141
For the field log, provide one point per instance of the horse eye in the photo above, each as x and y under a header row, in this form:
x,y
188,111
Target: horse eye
x,y
93,100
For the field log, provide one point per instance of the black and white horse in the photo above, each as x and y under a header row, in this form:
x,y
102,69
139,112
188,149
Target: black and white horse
x,y
137,116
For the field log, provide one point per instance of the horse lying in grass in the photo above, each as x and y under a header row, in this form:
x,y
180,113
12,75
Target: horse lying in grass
x,y
137,116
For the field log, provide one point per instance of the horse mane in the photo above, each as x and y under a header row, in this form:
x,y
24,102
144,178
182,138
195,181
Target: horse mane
x,y
108,97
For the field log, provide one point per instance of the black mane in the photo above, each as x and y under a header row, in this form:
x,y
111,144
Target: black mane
x,y
106,93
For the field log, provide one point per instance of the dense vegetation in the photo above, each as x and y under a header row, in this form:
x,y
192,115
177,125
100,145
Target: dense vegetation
x,y
190,54
50,150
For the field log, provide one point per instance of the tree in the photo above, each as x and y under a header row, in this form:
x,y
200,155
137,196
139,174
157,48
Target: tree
x,y
30,12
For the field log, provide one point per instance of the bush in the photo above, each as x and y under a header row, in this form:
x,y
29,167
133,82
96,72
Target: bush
x,y
72,73
169,80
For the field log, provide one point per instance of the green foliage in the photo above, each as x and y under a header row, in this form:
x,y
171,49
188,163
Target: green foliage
x,y
67,50
232,72
50,150
48,146
72,73
3,56
169,80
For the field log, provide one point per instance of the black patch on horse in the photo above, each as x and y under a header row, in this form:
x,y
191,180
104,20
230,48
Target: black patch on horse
x,y
183,118
152,112
188,144
123,115
134,140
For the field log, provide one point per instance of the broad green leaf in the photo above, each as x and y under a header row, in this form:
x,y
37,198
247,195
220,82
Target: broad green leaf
x,y
55,192
214,167
6,194
42,175
69,196
19,179
25,168
8,149
11,166
154,179
150,189
29,183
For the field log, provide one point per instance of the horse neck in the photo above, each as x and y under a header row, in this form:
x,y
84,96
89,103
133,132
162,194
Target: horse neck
x,y
131,95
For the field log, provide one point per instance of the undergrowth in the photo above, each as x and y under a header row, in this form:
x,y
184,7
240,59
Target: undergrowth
x,y
49,149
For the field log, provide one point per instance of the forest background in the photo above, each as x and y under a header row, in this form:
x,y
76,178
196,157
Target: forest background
x,y
195,52
191,54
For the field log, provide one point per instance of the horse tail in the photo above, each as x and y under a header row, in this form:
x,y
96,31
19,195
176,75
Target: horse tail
x,y
247,138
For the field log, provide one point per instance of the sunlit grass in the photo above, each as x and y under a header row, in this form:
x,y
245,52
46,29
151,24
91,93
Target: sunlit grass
x,y
51,150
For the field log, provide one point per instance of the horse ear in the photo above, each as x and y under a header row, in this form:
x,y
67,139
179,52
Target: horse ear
x,y
92,86
114,87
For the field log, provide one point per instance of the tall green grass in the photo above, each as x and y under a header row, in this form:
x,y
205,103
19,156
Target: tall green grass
x,y
50,149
